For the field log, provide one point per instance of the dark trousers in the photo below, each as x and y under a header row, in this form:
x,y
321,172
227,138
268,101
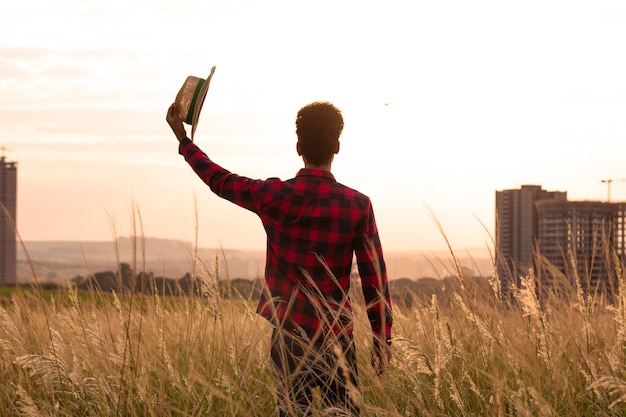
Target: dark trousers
x,y
300,366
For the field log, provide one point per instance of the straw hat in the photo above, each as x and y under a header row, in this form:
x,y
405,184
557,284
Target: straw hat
x,y
190,98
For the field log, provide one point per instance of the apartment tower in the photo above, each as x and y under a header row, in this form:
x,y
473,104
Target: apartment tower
x,y
516,231
8,211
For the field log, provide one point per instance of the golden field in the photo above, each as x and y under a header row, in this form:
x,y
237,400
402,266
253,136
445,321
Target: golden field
x,y
462,351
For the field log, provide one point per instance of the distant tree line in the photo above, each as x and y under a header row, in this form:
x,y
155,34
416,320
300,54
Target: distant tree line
x,y
405,292
148,283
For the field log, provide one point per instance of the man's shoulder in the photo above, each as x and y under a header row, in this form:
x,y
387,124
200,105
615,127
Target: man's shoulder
x,y
353,191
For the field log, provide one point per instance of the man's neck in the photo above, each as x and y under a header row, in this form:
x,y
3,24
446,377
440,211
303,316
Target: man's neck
x,y
324,167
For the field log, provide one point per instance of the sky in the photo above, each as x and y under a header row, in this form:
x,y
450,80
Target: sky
x,y
444,103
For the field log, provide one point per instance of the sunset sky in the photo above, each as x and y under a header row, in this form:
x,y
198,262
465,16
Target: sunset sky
x,y
444,102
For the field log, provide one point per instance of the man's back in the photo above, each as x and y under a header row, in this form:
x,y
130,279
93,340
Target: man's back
x,y
314,227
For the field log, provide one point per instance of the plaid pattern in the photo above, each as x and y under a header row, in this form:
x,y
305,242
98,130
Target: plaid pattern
x,y
314,227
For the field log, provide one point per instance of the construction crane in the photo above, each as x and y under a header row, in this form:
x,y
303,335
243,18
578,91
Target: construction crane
x,y
608,186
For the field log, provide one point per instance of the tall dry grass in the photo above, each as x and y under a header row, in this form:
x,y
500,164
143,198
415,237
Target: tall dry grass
x,y
466,352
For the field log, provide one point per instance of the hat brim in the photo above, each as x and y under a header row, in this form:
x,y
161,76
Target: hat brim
x,y
199,101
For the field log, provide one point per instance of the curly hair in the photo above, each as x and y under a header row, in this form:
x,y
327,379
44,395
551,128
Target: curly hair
x,y
318,127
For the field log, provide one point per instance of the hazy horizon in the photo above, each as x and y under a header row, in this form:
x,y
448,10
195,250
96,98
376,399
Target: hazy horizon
x,y
62,260
472,249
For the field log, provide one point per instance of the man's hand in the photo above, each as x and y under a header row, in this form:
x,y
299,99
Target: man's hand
x,y
381,355
175,122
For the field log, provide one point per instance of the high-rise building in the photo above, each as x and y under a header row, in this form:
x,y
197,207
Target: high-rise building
x,y
516,230
582,240
8,243
565,242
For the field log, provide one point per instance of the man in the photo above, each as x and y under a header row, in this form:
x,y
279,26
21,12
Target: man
x,y
314,226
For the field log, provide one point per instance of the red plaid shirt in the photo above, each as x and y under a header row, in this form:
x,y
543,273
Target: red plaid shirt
x,y
314,227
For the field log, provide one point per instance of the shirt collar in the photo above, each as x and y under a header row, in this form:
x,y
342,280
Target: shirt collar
x,y
315,173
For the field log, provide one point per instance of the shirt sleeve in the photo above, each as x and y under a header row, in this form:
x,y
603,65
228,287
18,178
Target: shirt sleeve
x,y
240,190
373,273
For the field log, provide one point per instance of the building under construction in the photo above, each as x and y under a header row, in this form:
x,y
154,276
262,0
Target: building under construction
x,y
582,240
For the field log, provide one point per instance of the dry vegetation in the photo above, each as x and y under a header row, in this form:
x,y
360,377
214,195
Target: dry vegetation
x,y
460,352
